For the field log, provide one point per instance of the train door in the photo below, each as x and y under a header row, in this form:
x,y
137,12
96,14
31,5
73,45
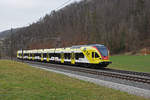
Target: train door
x,y
62,57
42,57
72,58
32,56
29,56
48,59
95,57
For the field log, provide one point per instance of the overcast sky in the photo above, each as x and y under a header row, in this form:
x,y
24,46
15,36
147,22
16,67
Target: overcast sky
x,y
19,13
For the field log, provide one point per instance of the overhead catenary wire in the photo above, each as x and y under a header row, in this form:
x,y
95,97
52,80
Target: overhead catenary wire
x,y
62,5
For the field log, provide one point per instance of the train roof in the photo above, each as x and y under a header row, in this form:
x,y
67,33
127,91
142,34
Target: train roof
x,y
79,46
57,49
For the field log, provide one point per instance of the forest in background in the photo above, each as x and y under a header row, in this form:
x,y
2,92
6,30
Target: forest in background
x,y
121,25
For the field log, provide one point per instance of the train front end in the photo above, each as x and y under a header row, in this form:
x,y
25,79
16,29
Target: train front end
x,y
103,55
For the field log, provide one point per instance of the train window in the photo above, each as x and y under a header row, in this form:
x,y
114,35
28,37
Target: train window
x,y
92,54
25,54
81,55
69,55
59,55
31,54
56,55
51,55
38,54
35,54
77,56
65,55
44,55
96,55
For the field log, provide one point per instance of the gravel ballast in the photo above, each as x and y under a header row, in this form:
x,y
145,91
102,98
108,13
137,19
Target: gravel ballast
x,y
122,87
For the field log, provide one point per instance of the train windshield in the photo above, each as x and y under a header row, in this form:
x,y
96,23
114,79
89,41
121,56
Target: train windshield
x,y
103,50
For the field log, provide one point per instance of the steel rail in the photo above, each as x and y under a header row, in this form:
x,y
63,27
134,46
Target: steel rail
x,y
128,72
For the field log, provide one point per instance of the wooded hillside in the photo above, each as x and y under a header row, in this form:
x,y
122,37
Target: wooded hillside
x,y
121,25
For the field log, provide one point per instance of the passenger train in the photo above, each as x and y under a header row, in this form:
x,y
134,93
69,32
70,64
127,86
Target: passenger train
x,y
88,55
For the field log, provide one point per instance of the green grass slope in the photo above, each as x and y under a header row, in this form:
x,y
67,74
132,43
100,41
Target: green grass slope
x,y
21,82
133,63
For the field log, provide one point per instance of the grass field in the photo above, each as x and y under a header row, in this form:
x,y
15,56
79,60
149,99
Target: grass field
x,y
21,82
133,63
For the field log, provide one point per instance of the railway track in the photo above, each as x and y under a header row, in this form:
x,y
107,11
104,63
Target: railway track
x,y
127,72
120,74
